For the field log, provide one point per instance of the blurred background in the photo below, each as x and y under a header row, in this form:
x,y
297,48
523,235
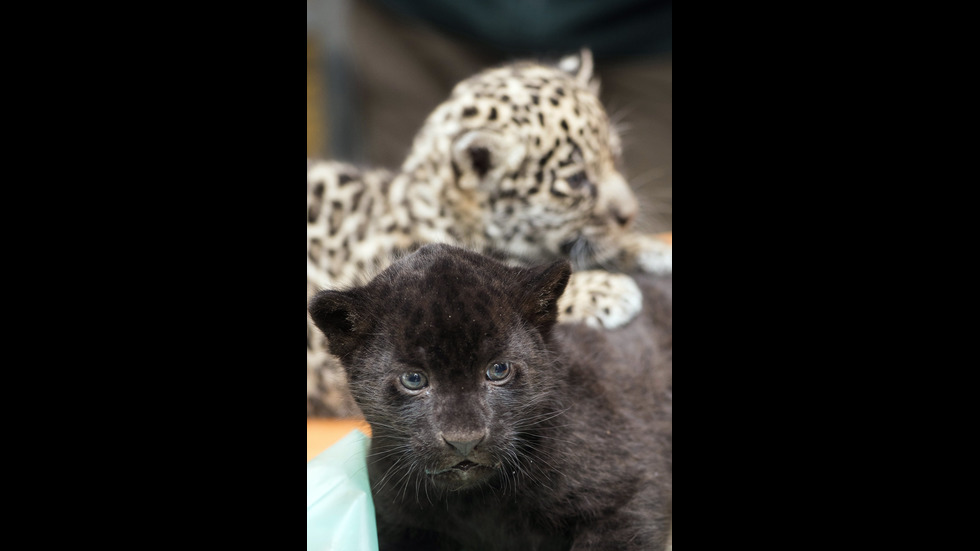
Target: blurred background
x,y
375,69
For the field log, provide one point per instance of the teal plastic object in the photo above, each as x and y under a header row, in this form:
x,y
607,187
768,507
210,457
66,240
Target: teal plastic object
x,y
339,510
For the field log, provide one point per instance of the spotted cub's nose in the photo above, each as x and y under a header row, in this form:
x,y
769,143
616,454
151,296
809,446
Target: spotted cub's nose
x,y
617,199
622,218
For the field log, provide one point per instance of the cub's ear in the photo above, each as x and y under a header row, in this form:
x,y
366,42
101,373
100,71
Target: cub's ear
x,y
482,157
544,286
581,67
341,318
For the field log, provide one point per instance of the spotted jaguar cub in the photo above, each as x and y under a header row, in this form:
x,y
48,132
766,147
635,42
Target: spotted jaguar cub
x,y
519,162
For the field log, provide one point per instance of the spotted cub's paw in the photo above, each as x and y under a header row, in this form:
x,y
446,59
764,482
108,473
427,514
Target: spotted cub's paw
x,y
600,299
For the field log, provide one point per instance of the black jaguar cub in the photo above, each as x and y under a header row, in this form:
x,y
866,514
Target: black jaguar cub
x,y
494,428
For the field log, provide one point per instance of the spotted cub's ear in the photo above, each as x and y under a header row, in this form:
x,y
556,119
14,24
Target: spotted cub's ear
x,y
482,157
580,66
340,315
543,287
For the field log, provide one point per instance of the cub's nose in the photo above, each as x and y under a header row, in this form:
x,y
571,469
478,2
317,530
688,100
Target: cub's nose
x,y
617,199
464,443
622,218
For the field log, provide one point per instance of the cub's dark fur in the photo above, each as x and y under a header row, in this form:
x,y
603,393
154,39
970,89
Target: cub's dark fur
x,y
493,428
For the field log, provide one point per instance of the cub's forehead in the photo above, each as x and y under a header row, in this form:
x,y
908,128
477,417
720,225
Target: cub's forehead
x,y
441,278
526,74
518,83
456,316
453,303
434,283
531,100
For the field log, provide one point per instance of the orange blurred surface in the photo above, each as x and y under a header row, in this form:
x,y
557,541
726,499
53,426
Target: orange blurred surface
x,y
322,433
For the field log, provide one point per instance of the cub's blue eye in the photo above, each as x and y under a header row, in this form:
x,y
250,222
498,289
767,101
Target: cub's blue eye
x,y
498,371
414,380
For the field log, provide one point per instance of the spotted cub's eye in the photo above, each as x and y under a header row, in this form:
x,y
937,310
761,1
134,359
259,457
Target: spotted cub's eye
x,y
413,380
577,180
498,371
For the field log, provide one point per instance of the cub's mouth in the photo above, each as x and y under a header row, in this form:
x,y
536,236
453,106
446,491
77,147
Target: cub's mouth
x,y
465,465
462,467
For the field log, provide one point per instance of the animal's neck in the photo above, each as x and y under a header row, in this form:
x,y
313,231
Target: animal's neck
x,y
437,209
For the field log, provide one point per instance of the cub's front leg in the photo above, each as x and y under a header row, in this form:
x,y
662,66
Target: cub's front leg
x,y
607,300
600,299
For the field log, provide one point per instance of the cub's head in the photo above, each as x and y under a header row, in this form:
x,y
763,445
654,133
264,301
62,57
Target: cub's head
x,y
529,151
447,356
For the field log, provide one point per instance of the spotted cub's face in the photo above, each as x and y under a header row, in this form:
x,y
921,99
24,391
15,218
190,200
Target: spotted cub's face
x,y
530,151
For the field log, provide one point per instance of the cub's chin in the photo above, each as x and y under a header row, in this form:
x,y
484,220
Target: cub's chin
x,y
463,475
